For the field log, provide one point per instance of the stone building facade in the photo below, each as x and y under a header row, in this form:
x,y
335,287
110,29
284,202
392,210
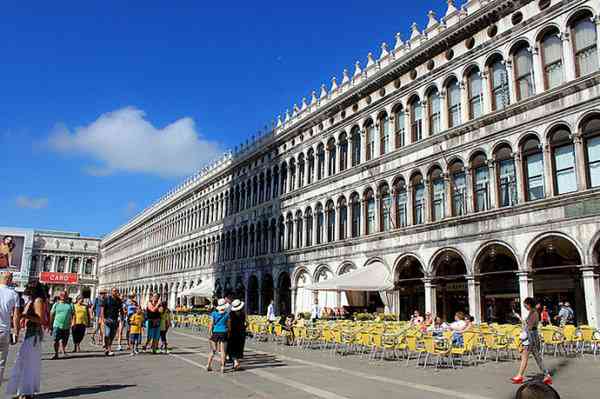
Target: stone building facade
x,y
63,253
464,160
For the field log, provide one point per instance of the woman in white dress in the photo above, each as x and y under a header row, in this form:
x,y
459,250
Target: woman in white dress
x,y
25,378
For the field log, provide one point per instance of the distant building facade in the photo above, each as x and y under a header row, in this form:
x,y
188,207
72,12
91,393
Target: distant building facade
x,y
464,160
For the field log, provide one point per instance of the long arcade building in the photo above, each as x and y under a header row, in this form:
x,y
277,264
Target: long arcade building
x,y
464,160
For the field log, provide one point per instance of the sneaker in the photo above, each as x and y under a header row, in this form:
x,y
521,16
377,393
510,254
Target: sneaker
x,y
110,353
120,348
132,354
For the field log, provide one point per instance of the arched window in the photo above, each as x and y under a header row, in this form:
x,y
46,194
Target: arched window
x,y
276,182
585,42
281,238
459,188
301,170
385,208
551,51
61,265
475,93
498,84
320,223
254,194
416,119
370,132
343,210
311,166
284,178
268,188
438,189
332,157
523,70
356,220
89,266
343,152
273,237
355,146
481,183
563,159
320,161
242,203
330,210
289,224
261,190
591,135
400,127
308,217
534,169
384,134
418,188
400,199
370,212
299,229
454,109
435,112
292,174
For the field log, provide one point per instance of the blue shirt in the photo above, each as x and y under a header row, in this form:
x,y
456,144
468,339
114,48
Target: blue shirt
x,y
97,304
219,322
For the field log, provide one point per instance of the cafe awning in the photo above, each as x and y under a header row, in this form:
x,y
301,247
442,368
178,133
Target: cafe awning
x,y
375,277
204,290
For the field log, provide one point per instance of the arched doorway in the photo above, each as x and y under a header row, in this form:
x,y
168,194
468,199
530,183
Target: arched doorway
x,y
556,266
284,297
304,296
252,305
266,292
408,282
450,278
496,269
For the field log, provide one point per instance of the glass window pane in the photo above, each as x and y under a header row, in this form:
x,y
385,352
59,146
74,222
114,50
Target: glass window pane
x,y
535,173
566,181
564,157
593,156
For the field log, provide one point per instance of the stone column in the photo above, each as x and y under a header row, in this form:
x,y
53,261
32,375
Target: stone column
x,y
295,222
474,292
445,117
425,107
378,225
548,175
426,202
486,92
464,101
314,230
447,195
493,184
430,296
538,71
469,197
525,288
580,157
293,310
363,147
410,206
336,225
569,61
520,175
591,289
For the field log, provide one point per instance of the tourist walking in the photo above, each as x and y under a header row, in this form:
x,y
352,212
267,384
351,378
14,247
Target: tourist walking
x,y
271,317
61,316
153,323
136,323
26,373
9,315
81,321
315,311
219,327
530,340
165,325
110,312
98,336
237,337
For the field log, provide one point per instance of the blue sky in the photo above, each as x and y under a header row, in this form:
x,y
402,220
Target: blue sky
x,y
106,105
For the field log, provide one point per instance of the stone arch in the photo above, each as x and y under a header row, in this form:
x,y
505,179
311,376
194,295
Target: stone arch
x,y
527,261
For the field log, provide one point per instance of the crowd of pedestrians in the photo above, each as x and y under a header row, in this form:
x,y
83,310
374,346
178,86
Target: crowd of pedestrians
x,y
111,317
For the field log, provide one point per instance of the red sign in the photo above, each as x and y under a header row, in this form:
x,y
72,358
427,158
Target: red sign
x,y
58,278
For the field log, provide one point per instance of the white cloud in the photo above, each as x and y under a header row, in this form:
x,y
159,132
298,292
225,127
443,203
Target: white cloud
x,y
130,208
26,202
124,140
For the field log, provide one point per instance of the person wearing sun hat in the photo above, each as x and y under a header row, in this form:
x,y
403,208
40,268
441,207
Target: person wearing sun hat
x,y
237,337
219,329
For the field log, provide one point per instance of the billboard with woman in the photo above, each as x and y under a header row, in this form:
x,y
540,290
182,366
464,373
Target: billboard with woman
x,y
11,251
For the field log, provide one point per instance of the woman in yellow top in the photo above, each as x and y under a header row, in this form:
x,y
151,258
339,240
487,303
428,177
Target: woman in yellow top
x,y
80,322
136,322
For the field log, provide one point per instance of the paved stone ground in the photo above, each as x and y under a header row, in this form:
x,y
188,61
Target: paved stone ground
x,y
275,371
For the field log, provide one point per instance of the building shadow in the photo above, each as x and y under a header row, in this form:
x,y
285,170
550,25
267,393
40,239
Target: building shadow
x,y
80,391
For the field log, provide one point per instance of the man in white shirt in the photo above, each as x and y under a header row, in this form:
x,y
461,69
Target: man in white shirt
x,y
315,312
9,315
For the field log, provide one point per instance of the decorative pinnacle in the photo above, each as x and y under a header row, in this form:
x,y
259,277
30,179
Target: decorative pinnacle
x,y
432,19
334,84
415,31
370,60
346,77
384,51
357,69
399,42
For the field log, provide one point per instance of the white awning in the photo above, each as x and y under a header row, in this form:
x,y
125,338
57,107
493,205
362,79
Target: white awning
x,y
204,290
375,277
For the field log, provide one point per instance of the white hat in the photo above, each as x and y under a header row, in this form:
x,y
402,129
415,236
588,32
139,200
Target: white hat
x,y
221,305
237,305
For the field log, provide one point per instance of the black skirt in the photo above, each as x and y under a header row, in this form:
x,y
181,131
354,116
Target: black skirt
x,y
235,348
78,331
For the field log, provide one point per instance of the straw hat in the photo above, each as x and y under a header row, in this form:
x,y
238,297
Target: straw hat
x,y
237,305
221,305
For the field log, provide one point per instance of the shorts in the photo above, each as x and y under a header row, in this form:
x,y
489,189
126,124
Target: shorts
x,y
154,333
219,337
110,329
61,335
135,338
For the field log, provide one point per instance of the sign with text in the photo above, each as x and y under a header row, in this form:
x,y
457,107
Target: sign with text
x,y
58,278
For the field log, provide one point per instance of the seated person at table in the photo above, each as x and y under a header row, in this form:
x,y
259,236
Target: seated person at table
x,y
416,319
438,327
458,327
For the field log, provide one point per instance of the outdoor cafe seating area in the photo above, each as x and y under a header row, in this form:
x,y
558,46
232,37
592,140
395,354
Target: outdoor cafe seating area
x,y
384,340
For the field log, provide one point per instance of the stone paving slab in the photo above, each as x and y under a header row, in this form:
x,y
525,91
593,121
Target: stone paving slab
x,y
274,371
